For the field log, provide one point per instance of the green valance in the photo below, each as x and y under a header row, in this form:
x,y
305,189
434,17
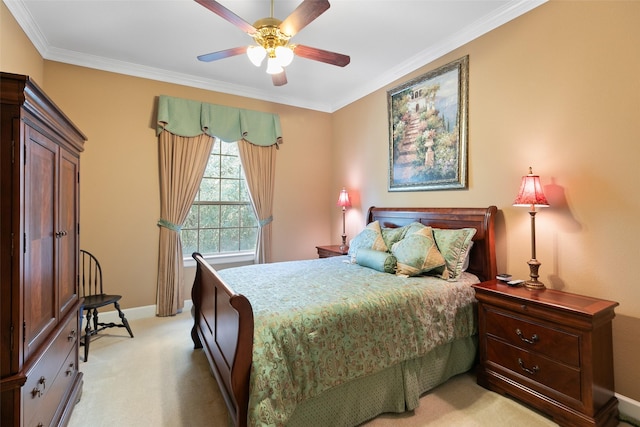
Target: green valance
x,y
189,118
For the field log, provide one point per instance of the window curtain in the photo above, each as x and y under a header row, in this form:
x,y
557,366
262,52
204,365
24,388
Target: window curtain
x,y
185,136
182,164
259,165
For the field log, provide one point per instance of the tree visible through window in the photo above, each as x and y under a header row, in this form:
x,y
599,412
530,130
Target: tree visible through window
x,y
221,219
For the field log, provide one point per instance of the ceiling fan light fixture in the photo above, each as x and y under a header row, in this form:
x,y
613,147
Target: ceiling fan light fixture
x,y
273,66
284,55
256,54
272,36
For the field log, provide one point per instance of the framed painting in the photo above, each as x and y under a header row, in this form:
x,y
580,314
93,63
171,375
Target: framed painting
x,y
428,130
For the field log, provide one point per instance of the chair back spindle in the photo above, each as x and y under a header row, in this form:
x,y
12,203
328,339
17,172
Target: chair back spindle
x,y
90,274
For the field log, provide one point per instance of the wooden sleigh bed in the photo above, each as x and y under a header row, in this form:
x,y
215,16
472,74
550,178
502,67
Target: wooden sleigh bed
x,y
224,318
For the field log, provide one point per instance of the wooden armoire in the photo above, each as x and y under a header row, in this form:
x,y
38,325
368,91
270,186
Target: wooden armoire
x,y
39,223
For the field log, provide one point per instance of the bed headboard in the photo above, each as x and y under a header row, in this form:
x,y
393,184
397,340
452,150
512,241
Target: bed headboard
x,y
482,260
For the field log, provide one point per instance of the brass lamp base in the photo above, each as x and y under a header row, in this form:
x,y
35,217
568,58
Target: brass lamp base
x,y
344,246
534,285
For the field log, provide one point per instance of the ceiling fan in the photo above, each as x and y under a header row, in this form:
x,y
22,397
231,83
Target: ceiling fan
x,y
272,38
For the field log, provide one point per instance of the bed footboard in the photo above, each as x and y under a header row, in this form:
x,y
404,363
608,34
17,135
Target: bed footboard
x,y
223,328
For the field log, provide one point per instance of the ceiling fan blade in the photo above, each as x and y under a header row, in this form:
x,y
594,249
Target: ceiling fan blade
x,y
214,56
225,13
279,79
306,12
322,55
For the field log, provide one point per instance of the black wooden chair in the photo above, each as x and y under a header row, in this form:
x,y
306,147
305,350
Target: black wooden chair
x,y
94,298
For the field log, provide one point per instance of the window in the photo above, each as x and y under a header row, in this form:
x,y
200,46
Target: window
x,y
221,219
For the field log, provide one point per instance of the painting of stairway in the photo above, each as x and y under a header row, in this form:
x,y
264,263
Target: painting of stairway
x,y
428,130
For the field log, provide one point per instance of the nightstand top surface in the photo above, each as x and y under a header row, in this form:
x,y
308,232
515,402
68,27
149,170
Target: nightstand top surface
x,y
549,297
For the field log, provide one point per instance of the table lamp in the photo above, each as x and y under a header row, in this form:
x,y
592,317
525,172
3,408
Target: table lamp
x,y
531,195
344,203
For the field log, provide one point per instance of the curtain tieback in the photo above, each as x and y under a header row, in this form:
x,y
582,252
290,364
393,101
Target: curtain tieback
x,y
168,224
265,221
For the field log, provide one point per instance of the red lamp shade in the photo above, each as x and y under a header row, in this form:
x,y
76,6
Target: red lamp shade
x,y
531,192
343,199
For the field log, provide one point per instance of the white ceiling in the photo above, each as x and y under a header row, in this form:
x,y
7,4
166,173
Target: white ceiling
x,y
160,39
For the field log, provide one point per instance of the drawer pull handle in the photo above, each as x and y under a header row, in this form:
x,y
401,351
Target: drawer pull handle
x,y
72,335
36,392
531,371
533,339
69,370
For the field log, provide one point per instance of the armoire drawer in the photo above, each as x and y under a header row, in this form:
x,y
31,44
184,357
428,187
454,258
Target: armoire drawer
x,y
534,336
49,405
40,386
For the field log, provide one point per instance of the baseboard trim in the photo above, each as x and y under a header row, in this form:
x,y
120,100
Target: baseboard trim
x,y
627,406
136,313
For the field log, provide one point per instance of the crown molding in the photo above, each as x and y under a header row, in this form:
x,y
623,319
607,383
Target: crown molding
x,y
158,74
507,13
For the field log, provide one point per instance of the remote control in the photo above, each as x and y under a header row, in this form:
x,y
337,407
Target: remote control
x,y
516,282
503,277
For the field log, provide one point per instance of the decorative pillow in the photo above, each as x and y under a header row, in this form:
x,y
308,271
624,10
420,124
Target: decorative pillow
x,y
454,245
381,261
393,235
369,238
465,264
413,227
417,253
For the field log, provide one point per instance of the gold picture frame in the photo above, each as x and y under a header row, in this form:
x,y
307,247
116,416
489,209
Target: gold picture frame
x,y
428,127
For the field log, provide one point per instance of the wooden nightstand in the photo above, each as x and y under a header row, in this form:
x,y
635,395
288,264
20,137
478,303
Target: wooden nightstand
x,y
550,349
331,250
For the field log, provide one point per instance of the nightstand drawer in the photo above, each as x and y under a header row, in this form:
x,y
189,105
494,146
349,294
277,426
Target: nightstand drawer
x,y
533,336
558,377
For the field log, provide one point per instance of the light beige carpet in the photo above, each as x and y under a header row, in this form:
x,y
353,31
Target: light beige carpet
x,y
157,379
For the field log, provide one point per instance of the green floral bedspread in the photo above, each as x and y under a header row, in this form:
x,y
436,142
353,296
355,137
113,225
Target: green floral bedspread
x,y
322,322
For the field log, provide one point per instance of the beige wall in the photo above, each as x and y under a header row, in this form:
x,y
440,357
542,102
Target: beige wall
x,y
17,54
556,89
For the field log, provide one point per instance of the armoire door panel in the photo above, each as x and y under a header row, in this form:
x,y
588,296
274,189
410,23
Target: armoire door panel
x,y
40,309
68,224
